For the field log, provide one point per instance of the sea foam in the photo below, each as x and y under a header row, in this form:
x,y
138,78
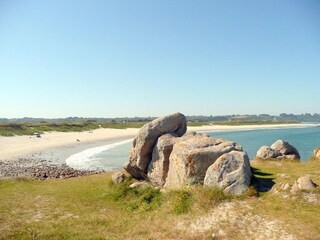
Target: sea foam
x,y
86,160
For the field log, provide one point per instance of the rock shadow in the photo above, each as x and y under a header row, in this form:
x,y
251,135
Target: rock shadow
x,y
261,181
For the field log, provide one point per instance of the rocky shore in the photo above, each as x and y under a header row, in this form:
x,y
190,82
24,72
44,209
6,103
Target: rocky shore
x,y
39,169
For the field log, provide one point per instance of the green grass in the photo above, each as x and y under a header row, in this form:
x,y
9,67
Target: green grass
x,y
182,201
138,199
92,207
301,216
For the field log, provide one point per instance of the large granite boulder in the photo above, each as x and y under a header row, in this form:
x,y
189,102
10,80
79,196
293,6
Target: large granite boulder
x,y
190,159
266,152
143,144
159,165
280,149
285,149
230,172
166,157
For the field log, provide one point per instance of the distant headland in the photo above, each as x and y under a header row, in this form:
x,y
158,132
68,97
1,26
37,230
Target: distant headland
x,y
306,117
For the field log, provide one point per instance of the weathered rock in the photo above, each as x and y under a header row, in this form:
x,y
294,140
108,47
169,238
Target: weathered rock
x,y
285,149
280,149
159,166
303,183
141,152
191,158
230,172
282,189
295,188
118,177
316,152
134,171
140,185
284,186
266,152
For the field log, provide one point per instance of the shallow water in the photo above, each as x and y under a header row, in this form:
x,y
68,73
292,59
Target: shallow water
x,y
109,157
113,156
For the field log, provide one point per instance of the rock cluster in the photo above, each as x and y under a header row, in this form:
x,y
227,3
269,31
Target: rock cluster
x,y
143,144
191,158
40,170
303,184
280,150
167,157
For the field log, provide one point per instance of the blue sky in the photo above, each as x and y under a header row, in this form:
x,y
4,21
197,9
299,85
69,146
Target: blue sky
x,y
148,58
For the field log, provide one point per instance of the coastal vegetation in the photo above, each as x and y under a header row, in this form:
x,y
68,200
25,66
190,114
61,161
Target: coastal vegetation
x,y
11,129
253,122
92,207
306,117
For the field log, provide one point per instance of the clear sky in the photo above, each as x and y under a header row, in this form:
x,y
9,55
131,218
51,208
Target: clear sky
x,y
92,58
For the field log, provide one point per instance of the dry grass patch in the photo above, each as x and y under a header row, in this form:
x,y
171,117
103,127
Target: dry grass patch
x,y
91,207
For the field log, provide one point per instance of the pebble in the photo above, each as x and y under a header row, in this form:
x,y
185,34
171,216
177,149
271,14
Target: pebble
x,y
39,169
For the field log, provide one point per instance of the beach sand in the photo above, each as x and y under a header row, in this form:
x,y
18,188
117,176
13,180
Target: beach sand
x,y
26,146
60,145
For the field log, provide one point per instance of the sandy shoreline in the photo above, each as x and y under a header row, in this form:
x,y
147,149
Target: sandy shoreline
x,y
22,146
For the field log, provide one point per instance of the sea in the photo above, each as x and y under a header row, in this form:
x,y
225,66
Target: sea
x,y
112,156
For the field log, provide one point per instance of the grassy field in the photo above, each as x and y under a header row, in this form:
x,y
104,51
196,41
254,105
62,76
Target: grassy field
x,y
299,211
91,207
11,129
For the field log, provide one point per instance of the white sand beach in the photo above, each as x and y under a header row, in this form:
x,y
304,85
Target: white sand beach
x,y
20,146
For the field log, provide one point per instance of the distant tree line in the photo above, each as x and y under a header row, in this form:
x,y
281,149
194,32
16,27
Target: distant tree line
x,y
306,117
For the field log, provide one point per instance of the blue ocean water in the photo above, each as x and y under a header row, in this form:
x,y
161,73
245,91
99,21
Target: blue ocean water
x,y
113,156
304,139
